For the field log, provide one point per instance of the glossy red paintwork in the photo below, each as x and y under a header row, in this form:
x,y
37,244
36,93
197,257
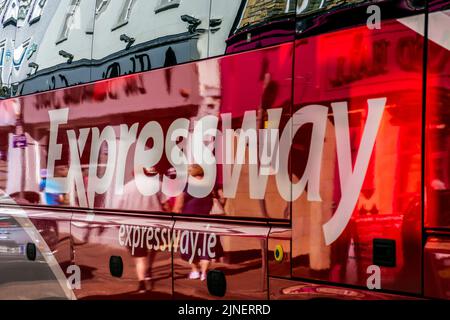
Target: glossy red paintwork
x,y
437,267
280,241
244,260
96,239
193,90
348,66
437,212
437,208
372,64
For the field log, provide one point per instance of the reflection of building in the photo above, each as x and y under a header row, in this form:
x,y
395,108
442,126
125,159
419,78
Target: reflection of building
x,y
46,45
257,11
262,23
139,36
34,61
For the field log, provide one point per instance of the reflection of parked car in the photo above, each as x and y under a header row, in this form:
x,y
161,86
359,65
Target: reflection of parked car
x,y
13,238
47,228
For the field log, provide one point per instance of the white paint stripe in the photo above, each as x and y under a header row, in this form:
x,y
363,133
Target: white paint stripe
x,y
21,217
438,29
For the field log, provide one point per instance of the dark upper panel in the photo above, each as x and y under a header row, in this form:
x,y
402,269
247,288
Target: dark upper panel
x,y
134,36
320,16
239,25
52,45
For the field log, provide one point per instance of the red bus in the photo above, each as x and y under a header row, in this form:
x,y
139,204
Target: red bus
x,y
225,150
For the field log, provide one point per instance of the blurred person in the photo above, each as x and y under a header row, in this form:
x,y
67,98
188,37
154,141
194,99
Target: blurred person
x,y
53,191
133,200
187,204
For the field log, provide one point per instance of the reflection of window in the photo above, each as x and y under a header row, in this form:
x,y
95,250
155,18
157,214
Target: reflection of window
x,y
37,11
24,7
12,10
2,5
167,4
100,7
19,53
2,52
68,20
124,14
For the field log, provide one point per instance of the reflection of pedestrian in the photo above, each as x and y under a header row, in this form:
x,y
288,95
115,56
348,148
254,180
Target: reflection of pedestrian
x,y
187,204
133,200
53,191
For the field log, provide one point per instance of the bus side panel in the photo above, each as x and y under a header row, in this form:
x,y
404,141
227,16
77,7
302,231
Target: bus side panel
x,y
437,208
35,253
54,228
279,252
367,212
437,267
237,251
437,213
122,257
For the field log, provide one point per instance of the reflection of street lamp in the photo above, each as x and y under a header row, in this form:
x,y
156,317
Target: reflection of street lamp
x,y
66,55
214,24
128,40
193,22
